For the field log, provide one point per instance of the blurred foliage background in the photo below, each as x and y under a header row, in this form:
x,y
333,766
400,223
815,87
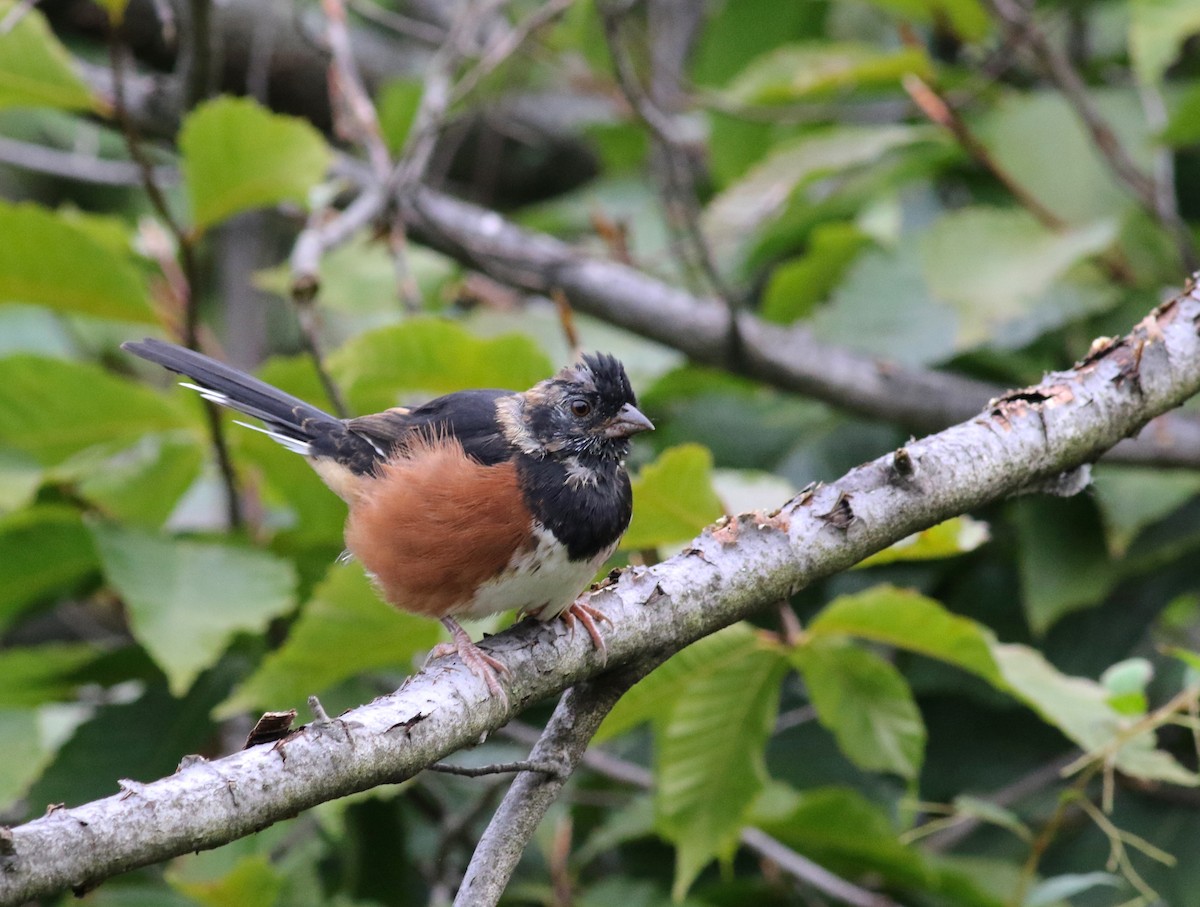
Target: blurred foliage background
x,y
1001,712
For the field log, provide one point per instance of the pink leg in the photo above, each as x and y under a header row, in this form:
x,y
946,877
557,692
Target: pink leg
x,y
480,663
587,615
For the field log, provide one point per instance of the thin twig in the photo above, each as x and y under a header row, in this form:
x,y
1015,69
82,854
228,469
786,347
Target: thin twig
x,y
562,743
79,167
497,768
15,15
508,44
184,241
428,32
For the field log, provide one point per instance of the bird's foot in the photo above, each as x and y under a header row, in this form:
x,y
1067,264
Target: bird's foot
x,y
482,665
587,615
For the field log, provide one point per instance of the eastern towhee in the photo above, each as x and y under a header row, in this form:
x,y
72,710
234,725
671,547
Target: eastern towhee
x,y
473,503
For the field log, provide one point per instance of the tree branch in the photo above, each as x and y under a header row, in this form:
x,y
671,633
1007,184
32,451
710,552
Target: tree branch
x,y
727,574
562,743
790,358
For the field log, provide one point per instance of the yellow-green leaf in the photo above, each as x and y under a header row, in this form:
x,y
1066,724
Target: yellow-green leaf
x,y
796,72
238,155
46,259
35,69
673,498
957,535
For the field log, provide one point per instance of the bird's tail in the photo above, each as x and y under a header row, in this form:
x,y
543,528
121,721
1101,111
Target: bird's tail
x,y
297,425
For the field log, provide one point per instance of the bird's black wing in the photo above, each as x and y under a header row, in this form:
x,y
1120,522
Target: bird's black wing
x,y
467,416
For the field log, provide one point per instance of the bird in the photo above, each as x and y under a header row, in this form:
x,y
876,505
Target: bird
x,y
476,502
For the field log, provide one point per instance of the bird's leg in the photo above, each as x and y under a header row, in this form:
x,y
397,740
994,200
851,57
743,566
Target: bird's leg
x,y
480,663
587,615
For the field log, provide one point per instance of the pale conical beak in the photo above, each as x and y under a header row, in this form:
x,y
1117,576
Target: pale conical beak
x,y
629,421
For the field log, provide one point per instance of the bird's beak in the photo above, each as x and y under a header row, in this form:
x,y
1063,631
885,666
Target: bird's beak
x,y
629,421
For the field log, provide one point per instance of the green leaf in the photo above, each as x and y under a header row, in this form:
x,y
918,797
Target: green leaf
x,y
1080,709
35,69
709,763
652,698
37,674
996,266
797,285
841,829
20,478
741,211
866,703
51,409
1183,127
1064,564
43,256
968,18
957,535
397,108
238,156
673,498
139,484
29,739
1157,30
1057,889
427,354
884,306
1126,682
1073,182
344,616
909,620
115,10
44,551
187,600
1132,498
253,882
799,72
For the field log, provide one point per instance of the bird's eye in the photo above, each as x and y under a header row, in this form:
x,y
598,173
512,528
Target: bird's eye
x,y
580,407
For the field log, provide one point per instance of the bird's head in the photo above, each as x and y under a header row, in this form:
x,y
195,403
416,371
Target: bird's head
x,y
587,411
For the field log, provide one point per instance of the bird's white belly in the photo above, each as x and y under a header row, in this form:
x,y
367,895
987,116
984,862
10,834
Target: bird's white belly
x,y
543,582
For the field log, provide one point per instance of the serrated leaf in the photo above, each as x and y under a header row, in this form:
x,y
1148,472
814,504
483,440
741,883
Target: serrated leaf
x,y
1157,30
673,498
997,265
954,536
909,620
51,409
798,72
44,551
187,600
1079,708
35,69
43,256
434,356
238,156
343,630
709,757
866,703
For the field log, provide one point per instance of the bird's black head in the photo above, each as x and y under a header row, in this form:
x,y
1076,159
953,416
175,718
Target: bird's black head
x,y
587,411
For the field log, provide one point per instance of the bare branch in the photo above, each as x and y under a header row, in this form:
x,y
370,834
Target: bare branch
x,y
562,743
80,167
725,575
789,358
